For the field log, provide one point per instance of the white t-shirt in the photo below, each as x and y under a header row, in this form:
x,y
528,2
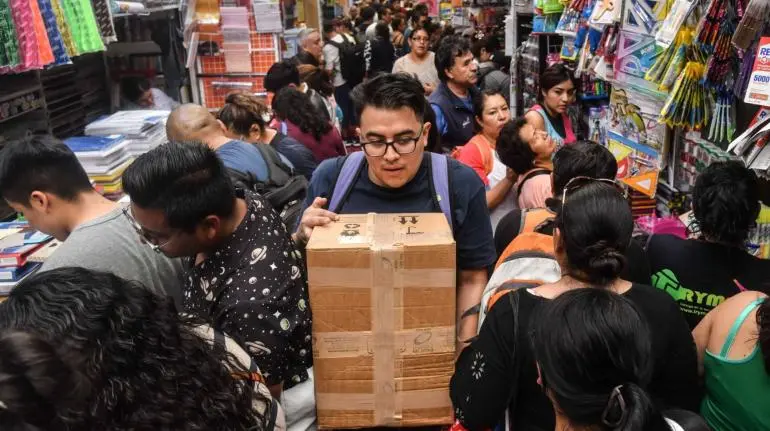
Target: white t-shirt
x,y
499,170
426,71
332,58
370,31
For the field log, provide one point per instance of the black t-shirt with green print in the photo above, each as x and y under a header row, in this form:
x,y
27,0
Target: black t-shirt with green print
x,y
700,275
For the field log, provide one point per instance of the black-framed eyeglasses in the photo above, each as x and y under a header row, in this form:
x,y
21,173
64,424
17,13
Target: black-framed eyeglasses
x,y
401,145
150,241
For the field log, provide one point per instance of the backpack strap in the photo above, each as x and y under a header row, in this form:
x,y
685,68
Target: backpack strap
x,y
439,170
351,167
284,128
278,172
531,174
533,218
486,155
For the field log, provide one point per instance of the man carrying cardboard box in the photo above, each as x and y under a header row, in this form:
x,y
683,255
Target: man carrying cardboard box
x,y
394,174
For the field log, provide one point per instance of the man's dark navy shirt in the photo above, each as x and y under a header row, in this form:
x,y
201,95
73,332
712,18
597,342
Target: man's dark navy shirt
x,y
472,228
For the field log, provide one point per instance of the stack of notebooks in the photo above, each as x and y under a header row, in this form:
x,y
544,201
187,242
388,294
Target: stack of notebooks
x,y
22,251
143,130
641,204
104,160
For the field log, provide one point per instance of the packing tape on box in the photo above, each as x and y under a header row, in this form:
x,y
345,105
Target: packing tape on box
x,y
334,345
422,399
361,278
384,277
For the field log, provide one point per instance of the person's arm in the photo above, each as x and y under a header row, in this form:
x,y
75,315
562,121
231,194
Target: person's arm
x,y
314,211
483,379
702,334
535,120
507,229
470,288
331,55
497,193
475,247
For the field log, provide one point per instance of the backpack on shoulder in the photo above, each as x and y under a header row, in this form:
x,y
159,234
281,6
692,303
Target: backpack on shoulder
x,y
352,65
284,190
354,163
528,261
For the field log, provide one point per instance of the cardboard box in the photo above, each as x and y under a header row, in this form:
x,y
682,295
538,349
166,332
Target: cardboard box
x,y
382,291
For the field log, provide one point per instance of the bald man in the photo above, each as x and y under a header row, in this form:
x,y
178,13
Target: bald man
x,y
194,123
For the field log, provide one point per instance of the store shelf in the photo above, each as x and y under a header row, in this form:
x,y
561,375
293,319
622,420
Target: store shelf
x,y
594,97
19,114
10,96
146,12
121,49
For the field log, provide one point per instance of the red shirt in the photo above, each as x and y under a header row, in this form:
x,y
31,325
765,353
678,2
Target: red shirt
x,y
330,145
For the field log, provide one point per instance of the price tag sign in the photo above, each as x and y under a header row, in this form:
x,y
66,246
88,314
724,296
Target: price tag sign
x,y
758,91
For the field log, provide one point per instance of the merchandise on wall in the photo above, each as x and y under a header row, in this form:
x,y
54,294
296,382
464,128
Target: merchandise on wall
x,y
234,55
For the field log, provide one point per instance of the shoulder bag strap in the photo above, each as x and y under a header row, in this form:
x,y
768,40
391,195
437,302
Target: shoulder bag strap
x,y
440,179
351,166
513,299
529,175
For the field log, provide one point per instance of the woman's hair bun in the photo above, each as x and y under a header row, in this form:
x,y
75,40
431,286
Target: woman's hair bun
x,y
605,263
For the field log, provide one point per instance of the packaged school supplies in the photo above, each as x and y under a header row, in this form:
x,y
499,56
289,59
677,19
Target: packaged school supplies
x,y
382,289
670,27
751,24
688,103
16,255
16,273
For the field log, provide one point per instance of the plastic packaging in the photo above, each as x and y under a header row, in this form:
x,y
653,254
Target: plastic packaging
x,y
751,24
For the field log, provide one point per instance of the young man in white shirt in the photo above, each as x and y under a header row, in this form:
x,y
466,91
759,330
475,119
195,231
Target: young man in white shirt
x,y
336,34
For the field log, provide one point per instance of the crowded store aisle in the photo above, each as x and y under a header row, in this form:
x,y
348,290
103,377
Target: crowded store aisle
x,y
395,226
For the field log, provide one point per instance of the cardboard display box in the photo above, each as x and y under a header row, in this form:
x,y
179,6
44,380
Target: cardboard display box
x,y
382,292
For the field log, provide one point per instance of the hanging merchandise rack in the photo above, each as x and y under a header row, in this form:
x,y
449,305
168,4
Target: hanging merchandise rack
x,y
234,56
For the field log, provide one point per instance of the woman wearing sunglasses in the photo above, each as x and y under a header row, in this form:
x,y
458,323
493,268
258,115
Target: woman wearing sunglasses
x,y
497,372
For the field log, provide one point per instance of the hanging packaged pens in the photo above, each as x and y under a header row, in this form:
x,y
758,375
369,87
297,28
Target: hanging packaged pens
x,y
571,17
673,22
687,105
751,24
722,123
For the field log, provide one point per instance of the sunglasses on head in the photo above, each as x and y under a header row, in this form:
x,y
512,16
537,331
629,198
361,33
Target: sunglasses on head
x,y
580,181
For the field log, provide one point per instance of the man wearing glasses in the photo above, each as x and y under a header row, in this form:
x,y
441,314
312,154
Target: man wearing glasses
x,y
397,175
41,179
245,277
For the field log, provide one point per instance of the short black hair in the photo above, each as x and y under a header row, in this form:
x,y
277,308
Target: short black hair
x,y
512,150
582,159
725,202
449,48
489,43
367,13
40,163
133,87
391,91
280,75
185,180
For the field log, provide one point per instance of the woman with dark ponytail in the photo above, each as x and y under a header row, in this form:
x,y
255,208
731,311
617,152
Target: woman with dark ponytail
x,y
734,358
496,373
592,349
